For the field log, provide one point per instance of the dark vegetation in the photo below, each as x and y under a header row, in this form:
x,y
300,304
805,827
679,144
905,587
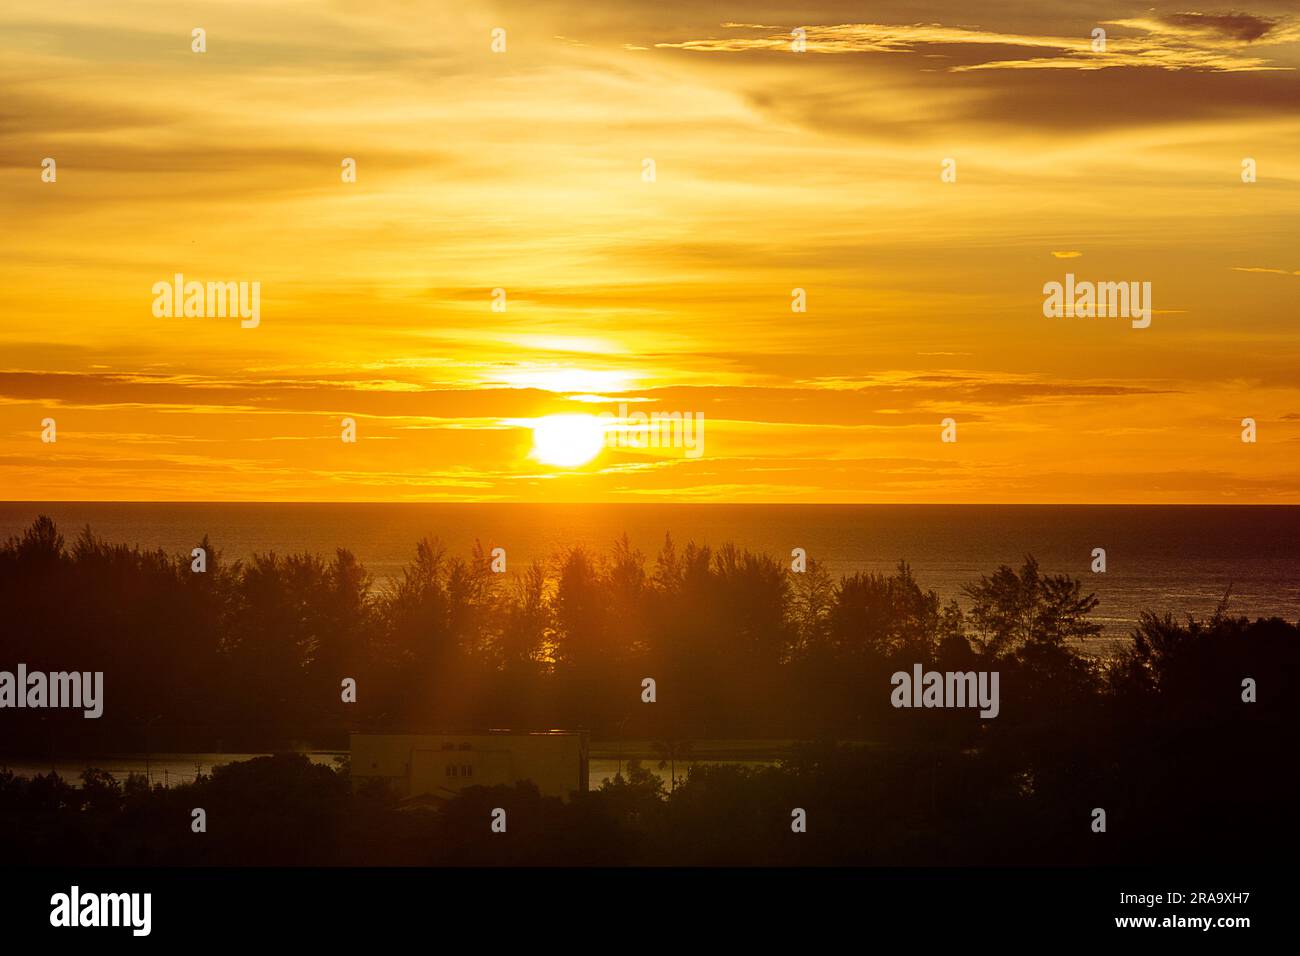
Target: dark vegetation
x,y
1158,736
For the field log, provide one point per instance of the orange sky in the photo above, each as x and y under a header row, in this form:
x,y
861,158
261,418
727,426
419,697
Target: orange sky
x,y
774,170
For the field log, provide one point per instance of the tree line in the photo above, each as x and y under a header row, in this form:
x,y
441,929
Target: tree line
x,y
253,653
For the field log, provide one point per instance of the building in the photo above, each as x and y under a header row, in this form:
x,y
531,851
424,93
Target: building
x,y
441,765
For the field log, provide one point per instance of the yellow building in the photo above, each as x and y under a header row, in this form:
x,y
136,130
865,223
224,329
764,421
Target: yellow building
x,y
443,764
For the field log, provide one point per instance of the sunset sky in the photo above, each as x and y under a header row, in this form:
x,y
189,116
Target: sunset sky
x,y
774,170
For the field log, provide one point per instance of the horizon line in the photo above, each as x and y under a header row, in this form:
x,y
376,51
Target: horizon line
x,y
705,504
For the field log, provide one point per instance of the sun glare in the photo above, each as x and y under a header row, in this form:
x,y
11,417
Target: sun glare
x,y
567,440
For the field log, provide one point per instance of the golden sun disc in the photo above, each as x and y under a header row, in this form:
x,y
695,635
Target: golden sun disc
x,y
567,440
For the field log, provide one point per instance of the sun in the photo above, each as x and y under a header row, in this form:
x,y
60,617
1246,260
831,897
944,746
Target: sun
x,y
567,440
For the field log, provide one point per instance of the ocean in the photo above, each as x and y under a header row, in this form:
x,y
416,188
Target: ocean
x,y
1181,559
174,769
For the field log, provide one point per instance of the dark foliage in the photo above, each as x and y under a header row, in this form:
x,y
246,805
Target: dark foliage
x,y
1159,736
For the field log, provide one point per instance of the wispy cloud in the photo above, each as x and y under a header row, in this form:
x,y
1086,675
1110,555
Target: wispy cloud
x,y
1279,272
1179,42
